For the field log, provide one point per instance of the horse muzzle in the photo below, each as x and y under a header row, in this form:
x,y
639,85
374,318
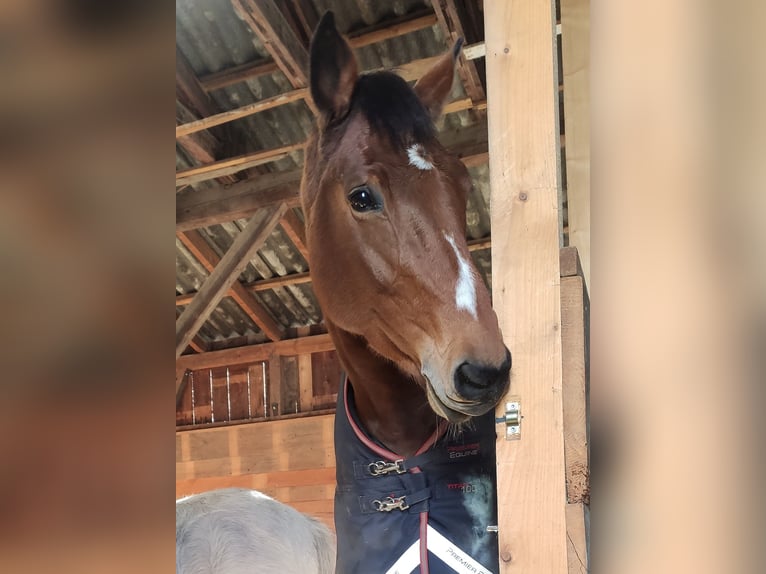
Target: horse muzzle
x,y
475,389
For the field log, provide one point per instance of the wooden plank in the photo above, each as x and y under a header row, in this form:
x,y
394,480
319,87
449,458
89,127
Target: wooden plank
x,y
296,231
523,152
200,380
569,262
573,349
221,204
238,377
279,39
209,259
577,548
220,402
575,44
234,164
256,286
392,29
241,112
290,403
274,384
305,377
237,74
256,353
188,88
225,274
449,21
258,392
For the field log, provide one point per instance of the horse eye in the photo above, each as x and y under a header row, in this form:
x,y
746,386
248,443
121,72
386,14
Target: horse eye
x,y
362,199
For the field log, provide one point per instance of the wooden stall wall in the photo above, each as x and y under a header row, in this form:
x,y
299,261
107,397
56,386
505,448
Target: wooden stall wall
x,y
291,460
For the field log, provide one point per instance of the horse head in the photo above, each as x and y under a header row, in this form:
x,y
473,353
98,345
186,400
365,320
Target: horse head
x,y
385,208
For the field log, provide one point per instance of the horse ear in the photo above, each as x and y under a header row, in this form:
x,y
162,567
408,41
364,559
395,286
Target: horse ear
x,y
333,71
434,87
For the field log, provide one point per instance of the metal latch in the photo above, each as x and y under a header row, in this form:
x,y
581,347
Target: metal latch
x,y
512,420
390,503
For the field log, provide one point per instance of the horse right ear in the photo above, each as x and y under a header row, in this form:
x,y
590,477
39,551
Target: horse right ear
x,y
334,70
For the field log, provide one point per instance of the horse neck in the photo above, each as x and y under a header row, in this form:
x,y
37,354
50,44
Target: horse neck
x,y
392,408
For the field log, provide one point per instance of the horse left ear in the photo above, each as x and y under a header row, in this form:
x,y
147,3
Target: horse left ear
x,y
434,87
334,70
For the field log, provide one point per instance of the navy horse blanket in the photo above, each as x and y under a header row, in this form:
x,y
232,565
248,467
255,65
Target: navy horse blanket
x,y
427,514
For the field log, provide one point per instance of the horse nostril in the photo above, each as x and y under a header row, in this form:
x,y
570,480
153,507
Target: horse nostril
x,y
475,382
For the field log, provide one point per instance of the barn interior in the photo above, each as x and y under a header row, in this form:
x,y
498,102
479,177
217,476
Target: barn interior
x,y
256,374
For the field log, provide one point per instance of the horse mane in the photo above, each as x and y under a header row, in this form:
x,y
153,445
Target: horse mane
x,y
392,108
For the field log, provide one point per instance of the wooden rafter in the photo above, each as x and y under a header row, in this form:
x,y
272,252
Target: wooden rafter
x,y
208,258
225,274
234,164
296,231
277,36
449,21
370,35
244,111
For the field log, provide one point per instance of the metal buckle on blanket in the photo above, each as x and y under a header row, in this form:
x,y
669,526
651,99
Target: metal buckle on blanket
x,y
388,504
381,467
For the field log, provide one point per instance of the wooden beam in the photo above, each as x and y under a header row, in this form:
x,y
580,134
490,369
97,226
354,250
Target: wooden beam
x,y
239,113
575,49
256,353
577,536
257,286
225,274
296,231
574,349
248,198
209,259
188,88
370,35
449,21
279,39
392,29
237,74
523,153
234,164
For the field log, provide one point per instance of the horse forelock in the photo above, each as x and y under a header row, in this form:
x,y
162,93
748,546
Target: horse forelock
x,y
391,109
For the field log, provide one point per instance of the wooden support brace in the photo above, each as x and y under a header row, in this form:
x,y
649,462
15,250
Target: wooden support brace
x,y
296,231
225,274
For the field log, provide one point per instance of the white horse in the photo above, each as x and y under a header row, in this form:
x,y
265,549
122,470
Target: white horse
x,y
240,531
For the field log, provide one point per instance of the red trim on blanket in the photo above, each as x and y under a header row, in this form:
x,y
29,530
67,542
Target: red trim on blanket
x,y
441,428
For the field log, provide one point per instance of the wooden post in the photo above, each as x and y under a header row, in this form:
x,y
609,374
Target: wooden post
x,y
524,177
575,50
574,350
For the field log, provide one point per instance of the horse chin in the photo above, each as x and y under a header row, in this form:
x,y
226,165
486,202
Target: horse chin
x,y
454,412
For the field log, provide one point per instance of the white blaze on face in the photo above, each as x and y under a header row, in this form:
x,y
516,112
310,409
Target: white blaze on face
x,y
465,291
417,155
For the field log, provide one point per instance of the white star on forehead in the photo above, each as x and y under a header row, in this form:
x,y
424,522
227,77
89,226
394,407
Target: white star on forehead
x,y
417,155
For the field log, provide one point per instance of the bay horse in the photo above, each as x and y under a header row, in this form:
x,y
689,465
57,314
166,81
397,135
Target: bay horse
x,y
241,531
412,322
